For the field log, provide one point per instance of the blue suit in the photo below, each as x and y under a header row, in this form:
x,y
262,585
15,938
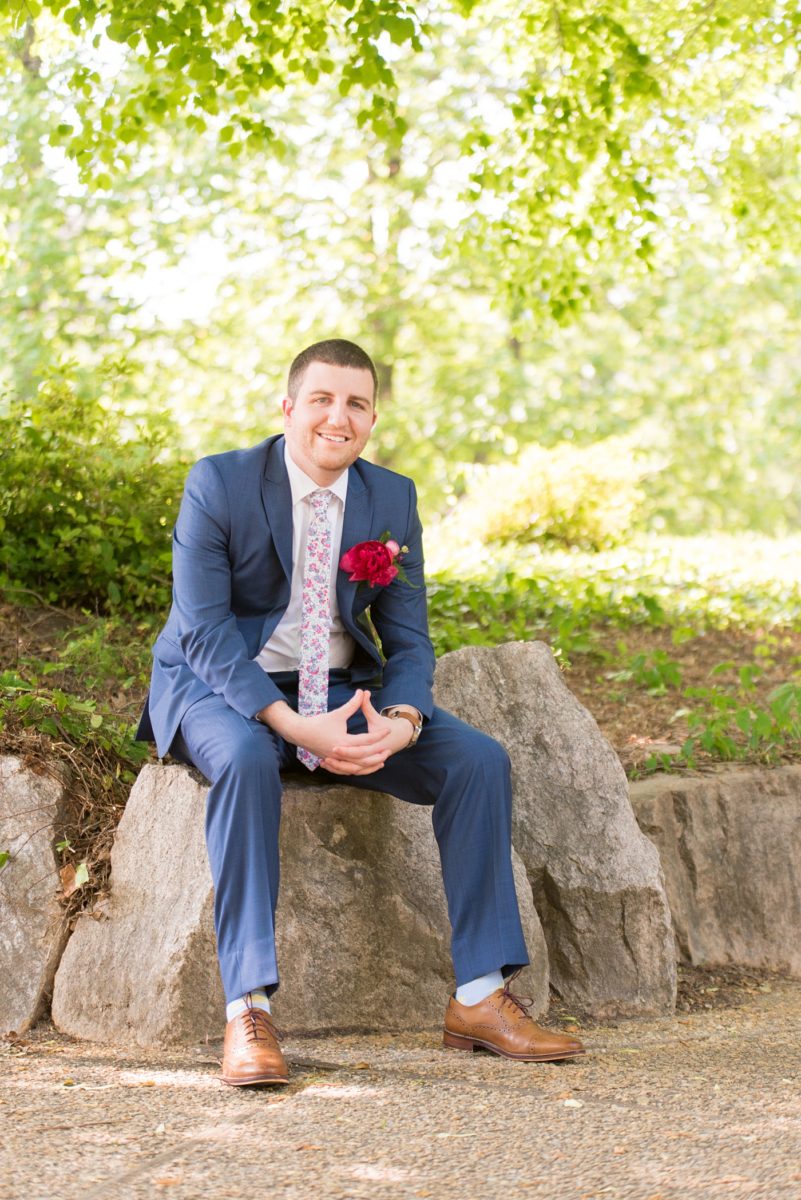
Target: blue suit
x,y
232,566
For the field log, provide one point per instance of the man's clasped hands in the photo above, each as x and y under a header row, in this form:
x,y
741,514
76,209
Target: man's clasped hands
x,y
326,734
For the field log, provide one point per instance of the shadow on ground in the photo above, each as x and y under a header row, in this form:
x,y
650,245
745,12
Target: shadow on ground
x,y
705,1104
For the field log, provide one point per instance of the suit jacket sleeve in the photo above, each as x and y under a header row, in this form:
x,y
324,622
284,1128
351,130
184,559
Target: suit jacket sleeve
x,y
400,615
211,643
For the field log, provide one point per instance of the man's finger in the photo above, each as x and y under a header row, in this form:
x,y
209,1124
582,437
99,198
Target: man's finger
x,y
354,750
331,764
369,711
361,739
351,706
360,759
339,766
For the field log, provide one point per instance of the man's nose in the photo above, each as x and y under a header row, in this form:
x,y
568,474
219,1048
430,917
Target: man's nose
x,y
338,413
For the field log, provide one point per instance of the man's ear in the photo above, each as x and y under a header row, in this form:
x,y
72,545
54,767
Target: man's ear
x,y
287,405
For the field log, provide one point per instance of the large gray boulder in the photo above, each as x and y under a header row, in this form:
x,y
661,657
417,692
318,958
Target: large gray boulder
x,y
362,931
32,928
139,965
362,928
730,845
596,879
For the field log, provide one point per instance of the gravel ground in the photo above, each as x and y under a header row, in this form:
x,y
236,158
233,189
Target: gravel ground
x,y
707,1104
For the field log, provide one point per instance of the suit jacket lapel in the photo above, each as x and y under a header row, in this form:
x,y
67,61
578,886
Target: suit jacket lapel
x,y
356,528
277,498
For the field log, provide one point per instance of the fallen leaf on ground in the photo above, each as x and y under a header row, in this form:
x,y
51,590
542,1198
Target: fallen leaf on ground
x,y
67,877
71,879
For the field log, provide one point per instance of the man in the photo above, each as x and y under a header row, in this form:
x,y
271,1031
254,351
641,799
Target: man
x,y
264,665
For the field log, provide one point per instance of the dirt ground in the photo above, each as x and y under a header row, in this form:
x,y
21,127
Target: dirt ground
x,y
637,722
697,1106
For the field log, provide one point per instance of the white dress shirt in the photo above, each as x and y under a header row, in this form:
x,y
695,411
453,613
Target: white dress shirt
x,y
282,651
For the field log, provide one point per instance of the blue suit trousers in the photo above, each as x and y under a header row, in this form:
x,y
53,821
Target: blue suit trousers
x,y
461,773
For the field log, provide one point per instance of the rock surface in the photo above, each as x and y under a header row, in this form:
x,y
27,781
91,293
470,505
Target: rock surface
x,y
32,930
596,879
140,965
362,928
730,846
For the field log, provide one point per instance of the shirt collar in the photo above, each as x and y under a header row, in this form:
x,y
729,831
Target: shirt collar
x,y
302,486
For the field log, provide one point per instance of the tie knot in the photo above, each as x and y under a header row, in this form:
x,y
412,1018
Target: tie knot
x,y
320,500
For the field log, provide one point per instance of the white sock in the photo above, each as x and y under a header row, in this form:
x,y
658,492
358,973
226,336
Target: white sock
x,y
478,989
257,999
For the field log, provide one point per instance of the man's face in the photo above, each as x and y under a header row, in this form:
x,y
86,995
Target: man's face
x,y
329,422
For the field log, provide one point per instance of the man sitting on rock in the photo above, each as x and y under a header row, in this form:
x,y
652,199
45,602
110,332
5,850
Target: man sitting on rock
x,y
269,662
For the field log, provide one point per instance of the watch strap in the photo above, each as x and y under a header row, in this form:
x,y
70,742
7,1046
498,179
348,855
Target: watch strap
x,y
416,721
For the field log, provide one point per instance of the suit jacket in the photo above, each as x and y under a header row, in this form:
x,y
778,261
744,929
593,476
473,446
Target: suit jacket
x,y
232,567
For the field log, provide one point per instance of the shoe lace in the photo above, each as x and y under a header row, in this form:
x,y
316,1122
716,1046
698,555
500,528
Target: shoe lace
x,y
522,1003
259,1026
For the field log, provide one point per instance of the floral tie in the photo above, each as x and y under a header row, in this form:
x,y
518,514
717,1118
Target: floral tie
x,y
315,622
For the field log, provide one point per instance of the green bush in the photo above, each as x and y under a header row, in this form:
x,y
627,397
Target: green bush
x,y
567,496
87,502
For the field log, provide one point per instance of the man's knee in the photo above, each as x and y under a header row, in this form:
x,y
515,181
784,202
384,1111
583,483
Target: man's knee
x,y
502,754
494,754
479,751
252,755
232,752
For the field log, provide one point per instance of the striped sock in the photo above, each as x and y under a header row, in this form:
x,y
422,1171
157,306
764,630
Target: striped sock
x,y
257,999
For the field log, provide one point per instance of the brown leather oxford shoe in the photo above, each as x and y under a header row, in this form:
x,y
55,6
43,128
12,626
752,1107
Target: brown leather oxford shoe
x,y
502,1025
251,1054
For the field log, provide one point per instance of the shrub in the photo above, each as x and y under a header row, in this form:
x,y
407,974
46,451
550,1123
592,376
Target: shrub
x,y
569,496
86,503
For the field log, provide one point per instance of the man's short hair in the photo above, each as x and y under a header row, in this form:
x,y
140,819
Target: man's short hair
x,y
337,353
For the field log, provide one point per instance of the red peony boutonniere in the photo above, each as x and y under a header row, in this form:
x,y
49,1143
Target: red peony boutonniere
x,y
376,563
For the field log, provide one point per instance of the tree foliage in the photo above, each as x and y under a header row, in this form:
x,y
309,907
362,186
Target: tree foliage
x,y
591,125
212,62
576,222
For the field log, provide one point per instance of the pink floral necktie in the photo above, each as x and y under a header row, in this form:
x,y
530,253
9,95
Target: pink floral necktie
x,y
315,621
